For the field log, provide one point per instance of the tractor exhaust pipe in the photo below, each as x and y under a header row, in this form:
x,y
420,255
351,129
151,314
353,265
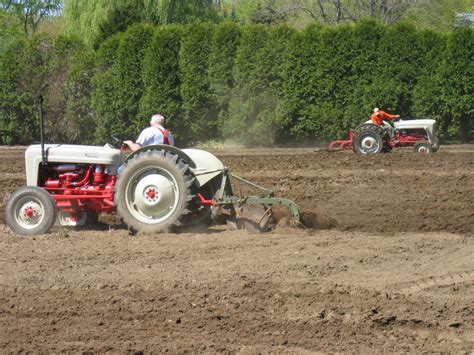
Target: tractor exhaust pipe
x,y
43,154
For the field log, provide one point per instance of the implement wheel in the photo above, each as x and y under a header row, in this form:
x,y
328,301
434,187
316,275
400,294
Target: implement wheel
x,y
154,192
369,139
30,211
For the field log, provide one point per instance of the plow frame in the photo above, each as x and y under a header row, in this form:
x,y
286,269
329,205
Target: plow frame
x,y
225,197
344,144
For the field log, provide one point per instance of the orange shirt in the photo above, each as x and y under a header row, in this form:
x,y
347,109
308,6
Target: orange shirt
x,y
378,119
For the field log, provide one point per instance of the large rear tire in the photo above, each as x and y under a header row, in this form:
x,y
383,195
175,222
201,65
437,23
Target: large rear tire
x,y
154,192
370,139
30,211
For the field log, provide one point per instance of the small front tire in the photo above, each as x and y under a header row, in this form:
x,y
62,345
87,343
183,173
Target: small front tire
x,y
423,147
30,211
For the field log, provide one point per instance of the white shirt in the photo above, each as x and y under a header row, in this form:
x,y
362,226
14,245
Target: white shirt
x,y
153,135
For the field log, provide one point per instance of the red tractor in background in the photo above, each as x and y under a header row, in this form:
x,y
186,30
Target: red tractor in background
x,y
370,138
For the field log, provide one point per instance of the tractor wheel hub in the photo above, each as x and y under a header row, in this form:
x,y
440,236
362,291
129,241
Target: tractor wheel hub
x,y
155,196
30,214
368,142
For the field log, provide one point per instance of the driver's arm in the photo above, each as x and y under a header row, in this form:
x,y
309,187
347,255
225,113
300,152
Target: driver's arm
x,y
388,115
133,146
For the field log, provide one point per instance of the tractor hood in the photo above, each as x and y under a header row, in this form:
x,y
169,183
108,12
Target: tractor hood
x,y
427,124
69,153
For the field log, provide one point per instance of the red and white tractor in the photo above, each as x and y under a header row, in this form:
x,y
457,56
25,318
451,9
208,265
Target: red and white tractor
x,y
160,187
154,189
370,138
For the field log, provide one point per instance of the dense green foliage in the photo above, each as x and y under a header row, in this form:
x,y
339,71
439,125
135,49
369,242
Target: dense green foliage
x,y
95,20
119,82
161,76
198,119
225,41
255,83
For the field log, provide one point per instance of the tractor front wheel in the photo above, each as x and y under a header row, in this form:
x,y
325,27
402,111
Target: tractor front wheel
x,y
30,211
423,147
154,192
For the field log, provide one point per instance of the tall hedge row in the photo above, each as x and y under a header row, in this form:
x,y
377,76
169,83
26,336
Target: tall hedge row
x,y
256,84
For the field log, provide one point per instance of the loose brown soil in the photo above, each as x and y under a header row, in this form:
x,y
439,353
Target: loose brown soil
x,y
387,266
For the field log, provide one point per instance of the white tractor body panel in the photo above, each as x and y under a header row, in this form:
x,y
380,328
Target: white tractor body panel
x,y
207,165
427,125
68,153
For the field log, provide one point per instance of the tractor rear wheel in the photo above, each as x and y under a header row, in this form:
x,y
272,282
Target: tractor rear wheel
x,y
30,211
370,139
423,147
154,192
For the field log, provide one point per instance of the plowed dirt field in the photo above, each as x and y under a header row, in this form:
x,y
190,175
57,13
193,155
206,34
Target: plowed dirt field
x,y
386,265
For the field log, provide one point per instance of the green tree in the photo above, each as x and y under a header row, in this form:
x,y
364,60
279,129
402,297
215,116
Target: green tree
x,y
94,20
272,124
106,84
24,68
120,17
243,106
438,15
68,113
130,54
398,69
427,95
197,121
30,13
79,117
176,11
458,87
119,83
10,29
225,41
161,76
363,96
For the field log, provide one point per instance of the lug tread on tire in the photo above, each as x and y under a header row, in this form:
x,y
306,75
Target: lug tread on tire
x,y
376,132
176,171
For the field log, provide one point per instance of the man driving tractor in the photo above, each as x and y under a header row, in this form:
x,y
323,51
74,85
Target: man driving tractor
x,y
379,117
155,134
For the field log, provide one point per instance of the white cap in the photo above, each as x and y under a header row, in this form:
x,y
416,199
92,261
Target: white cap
x,y
157,119
376,110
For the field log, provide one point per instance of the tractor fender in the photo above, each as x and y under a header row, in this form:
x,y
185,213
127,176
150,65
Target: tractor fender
x,y
166,148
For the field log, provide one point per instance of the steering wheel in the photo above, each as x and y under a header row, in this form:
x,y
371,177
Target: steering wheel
x,y
118,140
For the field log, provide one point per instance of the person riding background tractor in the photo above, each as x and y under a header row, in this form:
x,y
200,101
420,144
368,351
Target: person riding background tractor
x,y
155,134
378,117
